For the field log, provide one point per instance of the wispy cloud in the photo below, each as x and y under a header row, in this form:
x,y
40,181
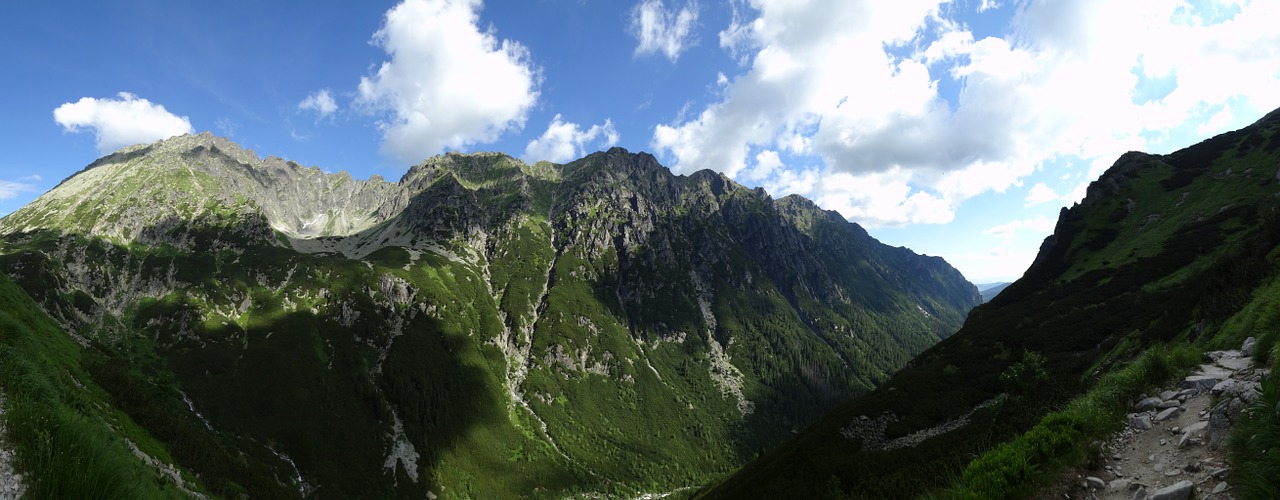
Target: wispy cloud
x,y
321,102
658,29
564,141
1041,193
10,189
1006,231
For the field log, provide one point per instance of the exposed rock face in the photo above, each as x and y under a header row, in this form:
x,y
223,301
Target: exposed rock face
x,y
579,314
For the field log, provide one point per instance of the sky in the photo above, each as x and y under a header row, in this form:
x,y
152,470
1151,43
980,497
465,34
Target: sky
x,y
955,128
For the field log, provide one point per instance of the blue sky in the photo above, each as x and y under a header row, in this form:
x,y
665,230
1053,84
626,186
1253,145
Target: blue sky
x,y
955,128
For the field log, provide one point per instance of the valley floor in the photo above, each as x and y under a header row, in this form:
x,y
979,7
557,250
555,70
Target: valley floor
x,y
1175,442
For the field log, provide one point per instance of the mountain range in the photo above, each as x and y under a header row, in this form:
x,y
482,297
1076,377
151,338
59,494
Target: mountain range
x,y
1167,257
186,318
482,328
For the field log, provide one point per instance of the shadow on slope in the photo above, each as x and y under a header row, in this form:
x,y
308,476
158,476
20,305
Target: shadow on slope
x,y
282,403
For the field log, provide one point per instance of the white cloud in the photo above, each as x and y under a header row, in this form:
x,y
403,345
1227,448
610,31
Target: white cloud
x,y
10,189
124,121
1006,231
660,30
564,141
1041,193
448,84
1063,85
319,101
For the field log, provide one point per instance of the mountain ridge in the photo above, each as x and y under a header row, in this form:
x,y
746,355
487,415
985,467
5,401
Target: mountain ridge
x,y
1166,257
575,315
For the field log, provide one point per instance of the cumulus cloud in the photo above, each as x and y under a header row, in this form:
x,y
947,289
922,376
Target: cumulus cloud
x,y
449,84
10,189
123,121
850,90
1041,193
564,141
661,30
319,101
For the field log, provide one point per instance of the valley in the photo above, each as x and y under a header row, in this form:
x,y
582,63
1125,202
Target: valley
x,y
554,322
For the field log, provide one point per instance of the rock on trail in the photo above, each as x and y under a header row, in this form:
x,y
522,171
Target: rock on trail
x,y
1172,446
11,484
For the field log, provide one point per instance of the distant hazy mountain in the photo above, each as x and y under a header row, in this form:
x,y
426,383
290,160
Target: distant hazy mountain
x,y
990,290
482,328
1168,251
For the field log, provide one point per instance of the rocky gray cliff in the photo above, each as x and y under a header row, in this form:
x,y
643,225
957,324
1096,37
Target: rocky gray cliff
x,y
598,326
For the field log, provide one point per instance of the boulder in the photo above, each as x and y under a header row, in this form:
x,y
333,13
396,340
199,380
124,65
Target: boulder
x,y
1095,482
1213,370
1227,386
1247,348
1200,382
1220,419
1234,364
1167,395
1192,433
1140,421
1147,404
1167,414
1180,490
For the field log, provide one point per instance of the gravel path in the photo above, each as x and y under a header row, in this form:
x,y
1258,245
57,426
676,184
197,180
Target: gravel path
x,y
1175,441
11,486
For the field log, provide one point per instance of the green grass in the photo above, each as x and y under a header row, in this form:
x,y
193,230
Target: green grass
x,y
1022,466
57,428
1255,444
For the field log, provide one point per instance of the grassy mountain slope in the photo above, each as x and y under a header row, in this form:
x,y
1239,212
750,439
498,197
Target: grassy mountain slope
x,y
482,328
1163,251
69,438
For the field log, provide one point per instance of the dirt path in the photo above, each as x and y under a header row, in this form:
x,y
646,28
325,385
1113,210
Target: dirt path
x,y
1174,444
11,486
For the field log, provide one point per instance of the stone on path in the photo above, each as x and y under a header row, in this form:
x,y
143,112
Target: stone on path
x,y
1190,434
1200,382
1140,421
1180,490
1234,364
1227,385
1167,414
1214,371
1095,482
1148,403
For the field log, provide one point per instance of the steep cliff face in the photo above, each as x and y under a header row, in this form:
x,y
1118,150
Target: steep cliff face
x,y
601,326
1169,251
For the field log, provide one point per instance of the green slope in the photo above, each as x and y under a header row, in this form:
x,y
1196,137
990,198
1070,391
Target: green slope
x,y
481,328
69,439
1163,252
